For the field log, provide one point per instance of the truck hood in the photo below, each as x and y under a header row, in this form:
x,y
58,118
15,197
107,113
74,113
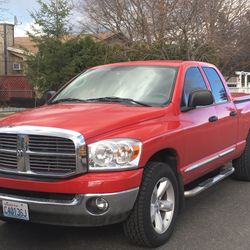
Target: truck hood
x,y
90,119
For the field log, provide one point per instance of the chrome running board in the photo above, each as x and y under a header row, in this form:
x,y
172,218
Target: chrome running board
x,y
209,182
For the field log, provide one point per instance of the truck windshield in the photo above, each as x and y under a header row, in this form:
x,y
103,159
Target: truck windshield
x,y
148,85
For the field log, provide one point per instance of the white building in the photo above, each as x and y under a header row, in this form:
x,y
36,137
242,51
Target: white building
x,y
240,83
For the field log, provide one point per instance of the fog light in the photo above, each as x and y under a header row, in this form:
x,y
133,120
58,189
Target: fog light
x,y
97,205
101,204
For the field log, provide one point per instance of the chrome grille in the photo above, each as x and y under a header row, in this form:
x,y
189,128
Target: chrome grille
x,y
41,154
51,144
54,164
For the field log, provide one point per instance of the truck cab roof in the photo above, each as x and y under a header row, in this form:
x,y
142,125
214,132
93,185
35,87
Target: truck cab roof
x,y
173,63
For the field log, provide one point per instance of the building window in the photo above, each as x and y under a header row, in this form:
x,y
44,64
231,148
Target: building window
x,y
17,66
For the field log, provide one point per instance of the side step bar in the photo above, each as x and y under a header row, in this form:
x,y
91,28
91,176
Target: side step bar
x,y
209,182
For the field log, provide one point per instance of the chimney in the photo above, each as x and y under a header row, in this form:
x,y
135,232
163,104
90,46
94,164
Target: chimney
x,y
6,40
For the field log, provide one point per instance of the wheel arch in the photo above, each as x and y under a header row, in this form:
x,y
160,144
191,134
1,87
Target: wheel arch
x,y
170,156
167,155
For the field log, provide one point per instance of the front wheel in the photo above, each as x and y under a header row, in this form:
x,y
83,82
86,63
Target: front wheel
x,y
152,220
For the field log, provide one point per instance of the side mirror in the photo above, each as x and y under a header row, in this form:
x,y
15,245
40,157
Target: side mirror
x,y
49,95
200,98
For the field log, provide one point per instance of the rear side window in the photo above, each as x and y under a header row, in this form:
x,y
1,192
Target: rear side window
x,y
218,90
193,81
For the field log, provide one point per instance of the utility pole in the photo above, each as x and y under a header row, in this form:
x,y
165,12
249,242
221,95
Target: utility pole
x,y
5,49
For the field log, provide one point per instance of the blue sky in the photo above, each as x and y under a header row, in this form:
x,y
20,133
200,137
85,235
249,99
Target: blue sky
x,y
20,9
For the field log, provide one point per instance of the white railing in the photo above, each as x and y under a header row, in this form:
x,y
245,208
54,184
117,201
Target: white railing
x,y
238,88
10,109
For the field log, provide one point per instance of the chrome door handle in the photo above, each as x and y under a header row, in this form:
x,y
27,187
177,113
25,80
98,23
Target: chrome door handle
x,y
233,113
213,118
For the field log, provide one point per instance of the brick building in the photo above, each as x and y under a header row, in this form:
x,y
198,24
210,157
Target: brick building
x,y
13,83
13,51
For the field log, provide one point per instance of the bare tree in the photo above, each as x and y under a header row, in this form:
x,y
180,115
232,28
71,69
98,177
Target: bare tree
x,y
225,26
138,20
191,26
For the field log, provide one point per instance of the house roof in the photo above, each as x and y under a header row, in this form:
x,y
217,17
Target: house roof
x,y
104,35
17,52
107,35
101,36
25,43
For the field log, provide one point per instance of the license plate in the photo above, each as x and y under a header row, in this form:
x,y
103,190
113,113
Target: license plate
x,y
15,210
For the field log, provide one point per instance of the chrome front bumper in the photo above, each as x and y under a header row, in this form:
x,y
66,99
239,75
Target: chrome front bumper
x,y
74,212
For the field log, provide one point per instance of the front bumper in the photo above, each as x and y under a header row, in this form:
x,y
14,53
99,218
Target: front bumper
x,y
74,212
90,183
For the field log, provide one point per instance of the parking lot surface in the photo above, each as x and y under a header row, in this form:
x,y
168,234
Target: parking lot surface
x,y
216,219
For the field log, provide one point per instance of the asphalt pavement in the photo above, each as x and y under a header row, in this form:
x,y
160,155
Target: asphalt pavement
x,y
219,218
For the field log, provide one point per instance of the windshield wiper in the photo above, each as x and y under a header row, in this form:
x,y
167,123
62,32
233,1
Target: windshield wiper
x,y
67,100
117,99
101,99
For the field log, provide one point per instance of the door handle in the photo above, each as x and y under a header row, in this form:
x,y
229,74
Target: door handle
x,y
233,113
213,118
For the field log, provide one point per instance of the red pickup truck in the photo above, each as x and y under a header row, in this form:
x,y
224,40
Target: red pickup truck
x,y
125,142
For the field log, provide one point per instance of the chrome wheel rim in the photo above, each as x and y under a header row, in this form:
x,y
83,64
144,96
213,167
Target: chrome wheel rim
x,y
162,205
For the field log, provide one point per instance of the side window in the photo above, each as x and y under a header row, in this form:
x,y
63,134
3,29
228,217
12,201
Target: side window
x,y
193,81
216,84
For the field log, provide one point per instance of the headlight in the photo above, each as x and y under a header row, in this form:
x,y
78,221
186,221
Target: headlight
x,y
114,154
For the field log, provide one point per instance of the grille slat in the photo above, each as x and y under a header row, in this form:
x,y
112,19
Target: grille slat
x,y
8,141
7,161
51,166
8,156
38,167
50,149
2,146
49,162
8,166
34,143
49,159
53,170
11,142
47,144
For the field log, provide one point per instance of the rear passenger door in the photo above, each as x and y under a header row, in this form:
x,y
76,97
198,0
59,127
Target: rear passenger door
x,y
225,109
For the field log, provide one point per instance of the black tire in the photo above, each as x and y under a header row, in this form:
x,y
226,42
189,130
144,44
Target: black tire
x,y
138,227
242,164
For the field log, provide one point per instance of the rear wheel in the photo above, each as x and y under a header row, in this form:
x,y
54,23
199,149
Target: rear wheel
x,y
242,164
152,220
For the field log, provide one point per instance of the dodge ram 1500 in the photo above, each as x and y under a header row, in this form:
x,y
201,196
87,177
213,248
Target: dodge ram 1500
x,y
124,142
